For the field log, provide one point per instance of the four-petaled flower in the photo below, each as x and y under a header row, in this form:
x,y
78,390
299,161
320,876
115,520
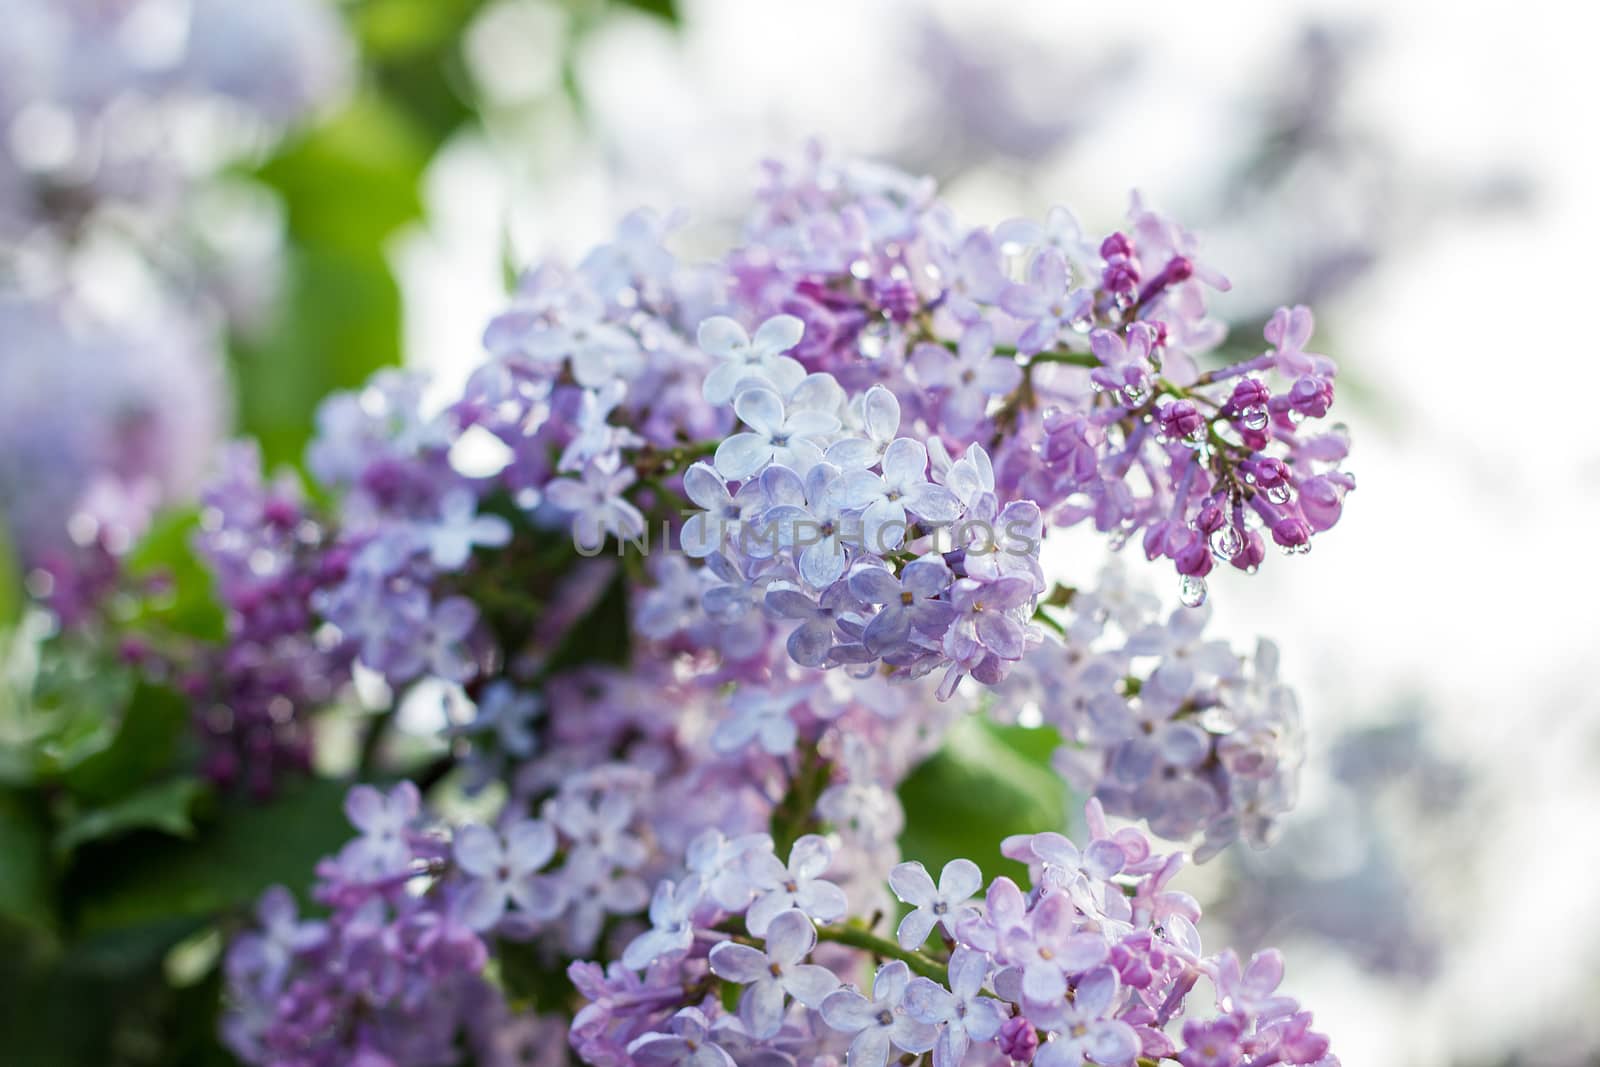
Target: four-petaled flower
x,y
885,499
503,869
944,905
787,438
1084,1030
672,909
880,1022
597,505
742,358
451,537
967,378
799,884
962,1015
775,973
687,1044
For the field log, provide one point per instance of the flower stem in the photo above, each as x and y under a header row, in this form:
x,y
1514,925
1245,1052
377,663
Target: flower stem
x,y
859,937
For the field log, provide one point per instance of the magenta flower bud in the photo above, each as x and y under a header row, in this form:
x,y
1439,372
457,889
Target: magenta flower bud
x,y
1311,397
1120,277
1178,269
1268,472
1116,246
1179,419
1291,531
1018,1039
1210,519
1321,501
1194,558
1247,394
1251,553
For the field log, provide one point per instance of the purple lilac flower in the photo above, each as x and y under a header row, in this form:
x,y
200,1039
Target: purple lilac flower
x,y
942,905
771,974
962,1014
797,884
881,1022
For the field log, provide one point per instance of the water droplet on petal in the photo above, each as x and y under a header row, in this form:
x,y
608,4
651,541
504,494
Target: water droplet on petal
x,y
1255,418
1192,591
1279,494
874,340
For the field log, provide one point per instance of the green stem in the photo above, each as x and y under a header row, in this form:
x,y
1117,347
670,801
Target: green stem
x,y
1076,359
860,937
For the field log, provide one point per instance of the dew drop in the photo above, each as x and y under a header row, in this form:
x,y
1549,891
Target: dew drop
x,y
874,340
1192,591
1279,494
1226,542
1255,418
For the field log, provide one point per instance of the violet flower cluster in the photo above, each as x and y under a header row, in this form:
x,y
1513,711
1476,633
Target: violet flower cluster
x,y
752,956
705,556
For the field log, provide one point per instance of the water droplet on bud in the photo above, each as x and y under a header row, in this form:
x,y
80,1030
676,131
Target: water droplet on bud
x,y
1255,418
1192,591
1226,542
1279,494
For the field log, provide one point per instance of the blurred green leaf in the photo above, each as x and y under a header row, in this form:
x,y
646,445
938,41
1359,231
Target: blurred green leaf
x,y
154,722
347,187
11,596
143,878
987,782
667,9
25,868
189,604
164,807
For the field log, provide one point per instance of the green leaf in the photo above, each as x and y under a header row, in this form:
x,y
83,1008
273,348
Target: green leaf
x,y
163,807
347,187
666,9
25,871
142,878
188,605
154,722
11,595
986,783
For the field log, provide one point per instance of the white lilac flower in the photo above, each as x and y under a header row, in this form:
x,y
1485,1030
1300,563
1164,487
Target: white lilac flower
x,y
459,528
789,438
742,357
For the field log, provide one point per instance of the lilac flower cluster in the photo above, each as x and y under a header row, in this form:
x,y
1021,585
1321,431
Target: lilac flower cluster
x,y
703,555
147,408
392,976
1160,722
1095,963
252,695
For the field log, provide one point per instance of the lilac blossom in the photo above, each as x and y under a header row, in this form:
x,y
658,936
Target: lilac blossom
x,y
962,1014
502,869
797,884
771,974
942,905
880,1022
